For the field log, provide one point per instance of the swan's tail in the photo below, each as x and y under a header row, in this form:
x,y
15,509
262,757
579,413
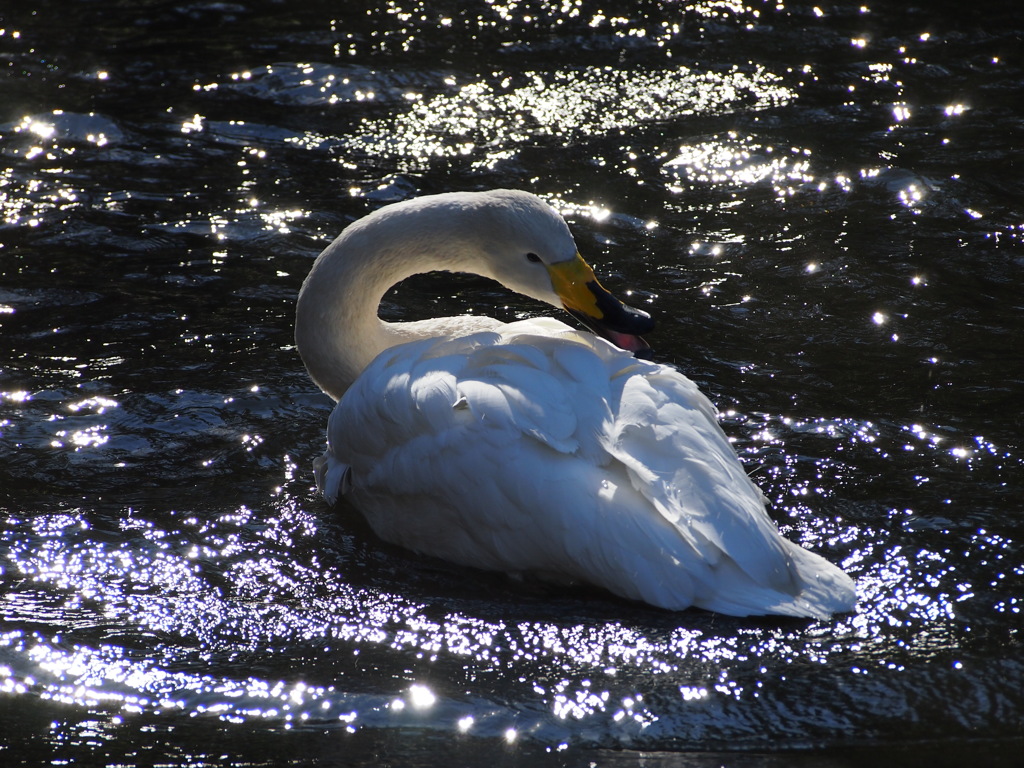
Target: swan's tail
x,y
820,590
815,588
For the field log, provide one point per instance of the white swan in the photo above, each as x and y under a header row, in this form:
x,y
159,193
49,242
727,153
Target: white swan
x,y
532,447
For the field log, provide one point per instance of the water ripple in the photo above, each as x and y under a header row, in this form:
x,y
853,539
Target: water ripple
x,y
813,200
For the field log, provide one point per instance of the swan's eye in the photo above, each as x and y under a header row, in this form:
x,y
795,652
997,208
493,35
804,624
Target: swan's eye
x,y
533,257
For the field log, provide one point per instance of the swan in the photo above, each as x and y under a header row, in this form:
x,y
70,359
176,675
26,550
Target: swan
x,y
533,447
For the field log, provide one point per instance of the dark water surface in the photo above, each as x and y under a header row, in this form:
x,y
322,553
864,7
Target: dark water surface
x,y
823,207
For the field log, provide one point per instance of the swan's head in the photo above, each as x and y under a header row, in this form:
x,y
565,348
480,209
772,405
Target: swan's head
x,y
527,246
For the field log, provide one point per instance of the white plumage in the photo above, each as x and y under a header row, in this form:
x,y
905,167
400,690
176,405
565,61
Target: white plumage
x,y
532,447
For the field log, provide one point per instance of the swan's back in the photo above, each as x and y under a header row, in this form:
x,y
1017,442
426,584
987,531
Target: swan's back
x,y
539,449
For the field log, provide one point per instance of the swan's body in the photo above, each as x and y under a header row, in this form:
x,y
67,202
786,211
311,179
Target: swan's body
x,y
532,447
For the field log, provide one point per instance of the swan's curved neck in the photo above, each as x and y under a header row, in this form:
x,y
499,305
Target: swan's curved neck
x,y
337,330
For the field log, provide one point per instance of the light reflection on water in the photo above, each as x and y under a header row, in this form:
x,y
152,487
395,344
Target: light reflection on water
x,y
742,163
488,118
812,200
230,586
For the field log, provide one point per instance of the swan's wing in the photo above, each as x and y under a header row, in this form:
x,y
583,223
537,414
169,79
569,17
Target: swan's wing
x,y
667,435
557,453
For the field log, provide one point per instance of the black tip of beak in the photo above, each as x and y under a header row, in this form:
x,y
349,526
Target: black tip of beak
x,y
620,317
620,324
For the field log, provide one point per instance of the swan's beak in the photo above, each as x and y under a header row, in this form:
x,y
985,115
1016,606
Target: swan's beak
x,y
585,299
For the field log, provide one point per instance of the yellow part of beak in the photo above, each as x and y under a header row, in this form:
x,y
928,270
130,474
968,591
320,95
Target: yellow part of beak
x,y
570,280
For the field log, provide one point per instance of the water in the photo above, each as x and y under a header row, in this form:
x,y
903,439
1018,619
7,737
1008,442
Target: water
x,y
820,206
